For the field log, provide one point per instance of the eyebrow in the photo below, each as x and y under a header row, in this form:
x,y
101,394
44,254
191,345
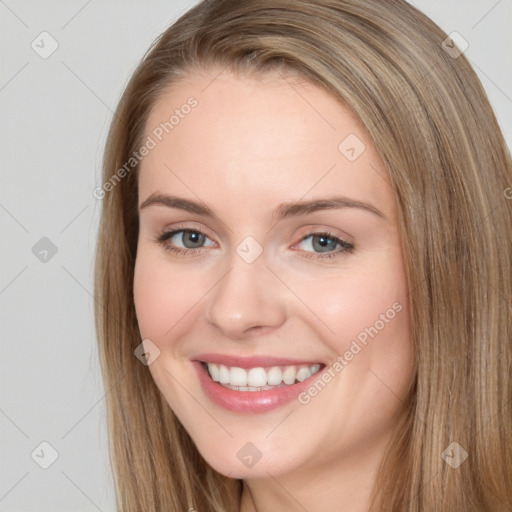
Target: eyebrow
x,y
282,211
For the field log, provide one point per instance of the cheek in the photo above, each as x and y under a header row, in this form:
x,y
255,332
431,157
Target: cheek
x,y
163,298
360,303
373,337
364,310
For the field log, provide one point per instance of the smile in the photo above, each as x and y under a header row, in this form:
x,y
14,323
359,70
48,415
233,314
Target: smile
x,y
253,385
260,378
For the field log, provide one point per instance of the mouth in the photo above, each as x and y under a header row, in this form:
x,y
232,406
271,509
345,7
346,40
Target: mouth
x,y
254,384
260,378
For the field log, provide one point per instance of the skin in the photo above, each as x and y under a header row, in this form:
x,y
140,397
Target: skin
x,y
250,144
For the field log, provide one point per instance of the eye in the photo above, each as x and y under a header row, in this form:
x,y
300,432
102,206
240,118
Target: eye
x,y
189,238
325,243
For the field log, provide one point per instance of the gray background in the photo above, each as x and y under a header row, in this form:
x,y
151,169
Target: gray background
x,y
54,120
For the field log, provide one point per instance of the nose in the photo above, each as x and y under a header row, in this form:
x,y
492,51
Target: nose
x,y
248,300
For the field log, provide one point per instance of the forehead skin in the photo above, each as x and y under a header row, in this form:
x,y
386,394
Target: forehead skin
x,y
256,142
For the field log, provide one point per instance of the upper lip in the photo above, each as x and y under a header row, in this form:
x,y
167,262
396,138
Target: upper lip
x,y
253,361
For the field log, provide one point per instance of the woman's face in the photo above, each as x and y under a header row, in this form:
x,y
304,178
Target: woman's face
x,y
293,265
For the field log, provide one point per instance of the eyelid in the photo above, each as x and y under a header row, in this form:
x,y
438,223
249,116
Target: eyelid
x,y
315,229
304,232
346,245
185,226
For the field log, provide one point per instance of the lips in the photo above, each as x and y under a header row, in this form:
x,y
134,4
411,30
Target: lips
x,y
236,383
251,361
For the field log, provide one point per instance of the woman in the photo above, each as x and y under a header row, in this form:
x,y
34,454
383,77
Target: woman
x,y
303,272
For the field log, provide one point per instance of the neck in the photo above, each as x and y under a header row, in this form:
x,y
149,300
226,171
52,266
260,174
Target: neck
x,y
341,485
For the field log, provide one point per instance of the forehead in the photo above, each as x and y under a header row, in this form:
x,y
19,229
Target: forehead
x,y
250,139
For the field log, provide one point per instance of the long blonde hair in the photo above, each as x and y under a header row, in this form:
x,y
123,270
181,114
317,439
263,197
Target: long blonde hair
x,y
430,120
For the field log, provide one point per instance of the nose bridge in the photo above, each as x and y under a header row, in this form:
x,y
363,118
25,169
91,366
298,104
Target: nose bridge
x,y
248,295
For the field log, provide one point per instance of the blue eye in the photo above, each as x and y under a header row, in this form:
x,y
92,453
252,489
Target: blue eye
x,y
191,239
323,244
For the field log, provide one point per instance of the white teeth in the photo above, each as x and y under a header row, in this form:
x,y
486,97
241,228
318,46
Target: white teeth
x,y
289,375
237,376
214,372
256,379
303,374
223,374
274,376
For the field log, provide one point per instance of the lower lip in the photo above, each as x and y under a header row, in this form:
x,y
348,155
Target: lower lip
x,y
249,401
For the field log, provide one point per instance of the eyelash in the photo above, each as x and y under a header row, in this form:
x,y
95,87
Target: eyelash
x,y
346,247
